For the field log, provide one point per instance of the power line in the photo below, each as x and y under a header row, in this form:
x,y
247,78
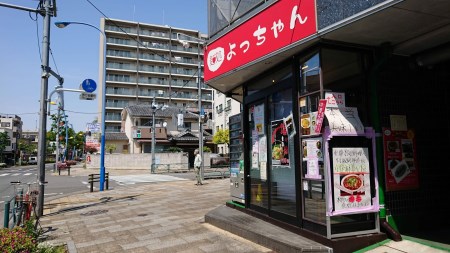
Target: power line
x,y
37,28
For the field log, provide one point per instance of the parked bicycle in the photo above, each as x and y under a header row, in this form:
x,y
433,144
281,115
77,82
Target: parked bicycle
x,y
25,203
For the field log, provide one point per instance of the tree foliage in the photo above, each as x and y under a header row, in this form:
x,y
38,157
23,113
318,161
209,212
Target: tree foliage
x,y
111,148
26,147
222,136
4,141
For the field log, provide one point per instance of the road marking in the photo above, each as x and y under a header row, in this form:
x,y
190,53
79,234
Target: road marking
x,y
15,174
51,194
4,174
27,174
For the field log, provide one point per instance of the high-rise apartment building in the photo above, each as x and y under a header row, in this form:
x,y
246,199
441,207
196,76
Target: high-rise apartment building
x,y
145,61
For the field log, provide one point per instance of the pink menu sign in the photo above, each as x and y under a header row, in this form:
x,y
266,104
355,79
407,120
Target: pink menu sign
x,y
320,115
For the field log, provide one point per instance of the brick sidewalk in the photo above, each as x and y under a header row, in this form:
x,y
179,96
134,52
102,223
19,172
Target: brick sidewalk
x,y
158,217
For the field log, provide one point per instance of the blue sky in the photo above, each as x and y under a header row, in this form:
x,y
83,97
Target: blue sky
x,y
74,49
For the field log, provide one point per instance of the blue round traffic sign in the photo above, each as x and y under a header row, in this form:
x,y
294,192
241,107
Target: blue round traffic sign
x,y
89,85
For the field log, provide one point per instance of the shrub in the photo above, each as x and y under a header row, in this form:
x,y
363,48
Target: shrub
x,y
174,149
16,240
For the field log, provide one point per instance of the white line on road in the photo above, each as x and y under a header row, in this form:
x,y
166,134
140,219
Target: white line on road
x,y
27,174
15,174
4,174
51,194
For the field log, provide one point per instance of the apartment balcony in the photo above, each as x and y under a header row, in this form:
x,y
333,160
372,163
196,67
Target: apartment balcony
x,y
121,42
153,81
120,92
152,57
121,30
119,66
121,54
177,71
154,34
152,69
154,45
113,118
121,79
190,50
120,105
153,94
176,95
189,84
191,62
207,97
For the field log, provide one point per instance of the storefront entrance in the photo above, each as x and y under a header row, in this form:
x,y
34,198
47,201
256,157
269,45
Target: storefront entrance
x,y
271,155
290,162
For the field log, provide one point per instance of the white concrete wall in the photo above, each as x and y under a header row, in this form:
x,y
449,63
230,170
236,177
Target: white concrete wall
x,y
177,161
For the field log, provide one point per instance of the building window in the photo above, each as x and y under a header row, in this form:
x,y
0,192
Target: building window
x,y
187,125
6,124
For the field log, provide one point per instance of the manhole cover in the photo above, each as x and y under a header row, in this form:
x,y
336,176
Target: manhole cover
x,y
95,212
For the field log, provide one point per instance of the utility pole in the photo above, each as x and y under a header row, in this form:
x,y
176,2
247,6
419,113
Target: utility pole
x,y
47,9
48,12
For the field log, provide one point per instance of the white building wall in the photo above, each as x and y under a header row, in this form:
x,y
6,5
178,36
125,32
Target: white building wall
x,y
224,107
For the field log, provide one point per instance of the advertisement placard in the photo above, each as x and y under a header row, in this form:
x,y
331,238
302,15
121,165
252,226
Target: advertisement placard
x,y
351,175
400,160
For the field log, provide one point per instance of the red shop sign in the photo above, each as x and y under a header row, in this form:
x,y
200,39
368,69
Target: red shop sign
x,y
280,25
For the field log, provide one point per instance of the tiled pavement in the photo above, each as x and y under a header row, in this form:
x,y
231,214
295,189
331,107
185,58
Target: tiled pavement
x,y
158,217
168,216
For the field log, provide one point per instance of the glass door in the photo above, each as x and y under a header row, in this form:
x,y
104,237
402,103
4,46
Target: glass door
x,y
282,166
257,154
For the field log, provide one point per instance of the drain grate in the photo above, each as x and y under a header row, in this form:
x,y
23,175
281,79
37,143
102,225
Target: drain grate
x,y
94,212
142,214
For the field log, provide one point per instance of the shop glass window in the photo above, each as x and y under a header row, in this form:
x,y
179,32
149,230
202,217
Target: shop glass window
x,y
282,173
313,184
310,75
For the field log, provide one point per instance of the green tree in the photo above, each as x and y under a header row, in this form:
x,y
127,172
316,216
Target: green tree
x,y
27,148
4,141
111,147
222,137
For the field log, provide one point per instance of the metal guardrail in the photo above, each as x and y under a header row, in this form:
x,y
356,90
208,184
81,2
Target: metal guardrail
x,y
94,178
11,213
216,172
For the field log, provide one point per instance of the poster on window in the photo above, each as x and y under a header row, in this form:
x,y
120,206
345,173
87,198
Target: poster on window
x,y
400,160
255,150
351,177
279,143
258,117
312,154
344,121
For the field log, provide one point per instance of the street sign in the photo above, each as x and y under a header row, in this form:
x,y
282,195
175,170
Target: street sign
x,y
87,96
89,85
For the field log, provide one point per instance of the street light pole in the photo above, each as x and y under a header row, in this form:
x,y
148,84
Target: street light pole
x,y
200,128
152,168
102,140
200,124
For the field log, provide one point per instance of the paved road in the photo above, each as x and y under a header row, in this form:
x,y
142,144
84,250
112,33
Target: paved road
x,y
58,185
